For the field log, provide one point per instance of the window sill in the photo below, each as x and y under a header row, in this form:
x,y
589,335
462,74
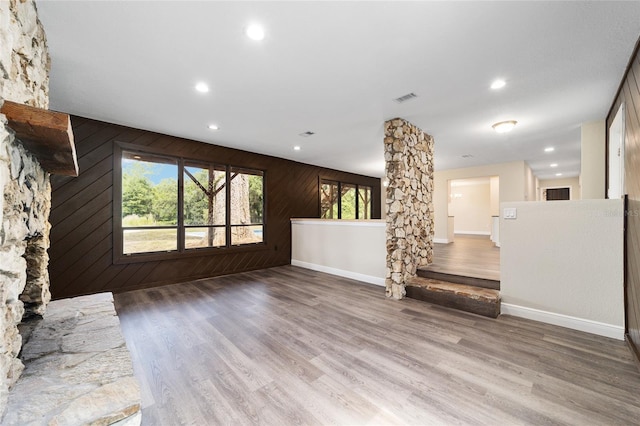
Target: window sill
x,y
119,259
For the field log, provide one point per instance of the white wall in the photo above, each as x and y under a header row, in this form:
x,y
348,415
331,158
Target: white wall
x,y
494,195
354,249
471,206
512,188
592,160
562,263
573,183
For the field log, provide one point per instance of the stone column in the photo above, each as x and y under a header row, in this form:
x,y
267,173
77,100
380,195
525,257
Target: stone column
x,y
408,154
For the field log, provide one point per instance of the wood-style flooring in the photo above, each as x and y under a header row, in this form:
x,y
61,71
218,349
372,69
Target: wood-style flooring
x,y
468,255
286,346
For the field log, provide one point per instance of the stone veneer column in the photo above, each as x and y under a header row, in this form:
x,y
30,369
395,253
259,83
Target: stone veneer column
x,y
26,189
408,153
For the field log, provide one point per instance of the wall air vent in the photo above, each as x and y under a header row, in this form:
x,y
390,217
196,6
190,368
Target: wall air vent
x,y
406,97
307,134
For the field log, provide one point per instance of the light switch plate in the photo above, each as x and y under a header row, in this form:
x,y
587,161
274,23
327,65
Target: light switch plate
x,y
510,213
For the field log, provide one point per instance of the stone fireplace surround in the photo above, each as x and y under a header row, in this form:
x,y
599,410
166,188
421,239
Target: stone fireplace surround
x,y
76,354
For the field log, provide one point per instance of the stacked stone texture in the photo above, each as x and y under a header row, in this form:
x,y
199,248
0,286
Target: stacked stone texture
x,y
409,170
26,189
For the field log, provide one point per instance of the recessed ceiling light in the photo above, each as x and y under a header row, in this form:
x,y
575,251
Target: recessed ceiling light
x,y
504,126
213,127
498,84
558,174
296,148
549,149
255,32
553,165
202,87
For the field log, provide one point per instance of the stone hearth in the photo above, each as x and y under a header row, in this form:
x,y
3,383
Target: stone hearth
x,y
78,370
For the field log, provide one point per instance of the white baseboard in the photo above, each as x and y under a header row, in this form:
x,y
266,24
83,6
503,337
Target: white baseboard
x,y
594,327
339,272
441,240
473,232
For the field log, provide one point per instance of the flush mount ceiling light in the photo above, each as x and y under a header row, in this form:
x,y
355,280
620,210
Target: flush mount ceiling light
x,y
498,84
202,87
213,127
255,32
549,149
504,126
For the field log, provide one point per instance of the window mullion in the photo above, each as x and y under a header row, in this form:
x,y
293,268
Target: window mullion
x,y
181,229
228,206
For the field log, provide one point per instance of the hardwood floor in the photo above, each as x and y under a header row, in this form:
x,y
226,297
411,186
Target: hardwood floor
x,y
292,346
469,255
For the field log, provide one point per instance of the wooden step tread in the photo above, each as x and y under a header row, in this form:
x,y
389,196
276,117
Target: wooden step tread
x,y
470,278
473,292
478,300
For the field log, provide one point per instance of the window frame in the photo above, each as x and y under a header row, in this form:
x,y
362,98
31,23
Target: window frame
x,y
339,183
119,257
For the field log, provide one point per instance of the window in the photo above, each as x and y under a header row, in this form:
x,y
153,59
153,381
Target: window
x,y
204,206
174,205
246,207
340,200
149,203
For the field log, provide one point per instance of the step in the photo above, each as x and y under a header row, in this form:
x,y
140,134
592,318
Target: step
x,y
477,300
470,277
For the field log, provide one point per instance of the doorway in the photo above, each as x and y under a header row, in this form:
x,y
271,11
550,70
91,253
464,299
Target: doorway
x,y
555,194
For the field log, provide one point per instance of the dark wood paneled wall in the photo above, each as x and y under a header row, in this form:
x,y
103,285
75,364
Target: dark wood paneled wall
x,y
81,253
629,94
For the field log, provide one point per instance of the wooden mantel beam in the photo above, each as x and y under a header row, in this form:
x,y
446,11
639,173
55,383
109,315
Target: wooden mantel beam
x,y
46,134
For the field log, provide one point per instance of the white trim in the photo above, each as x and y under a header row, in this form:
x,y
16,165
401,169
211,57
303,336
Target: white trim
x,y
473,232
340,222
594,327
441,240
339,272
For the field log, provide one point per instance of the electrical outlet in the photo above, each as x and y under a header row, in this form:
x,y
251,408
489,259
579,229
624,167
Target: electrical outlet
x,y
510,213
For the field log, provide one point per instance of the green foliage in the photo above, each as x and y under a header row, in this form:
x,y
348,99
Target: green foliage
x,y
137,194
348,204
256,198
196,204
165,201
135,220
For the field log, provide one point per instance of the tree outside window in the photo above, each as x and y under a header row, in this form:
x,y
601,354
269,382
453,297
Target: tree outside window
x,y
220,206
339,200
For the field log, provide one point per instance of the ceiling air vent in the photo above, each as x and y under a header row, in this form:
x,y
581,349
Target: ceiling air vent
x,y
406,97
307,134
467,156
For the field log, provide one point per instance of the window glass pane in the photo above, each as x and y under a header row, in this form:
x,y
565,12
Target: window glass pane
x,y
364,202
149,190
204,195
348,203
247,206
328,200
208,236
149,240
246,234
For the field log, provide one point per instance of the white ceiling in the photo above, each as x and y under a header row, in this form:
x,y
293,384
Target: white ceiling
x,y
334,68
